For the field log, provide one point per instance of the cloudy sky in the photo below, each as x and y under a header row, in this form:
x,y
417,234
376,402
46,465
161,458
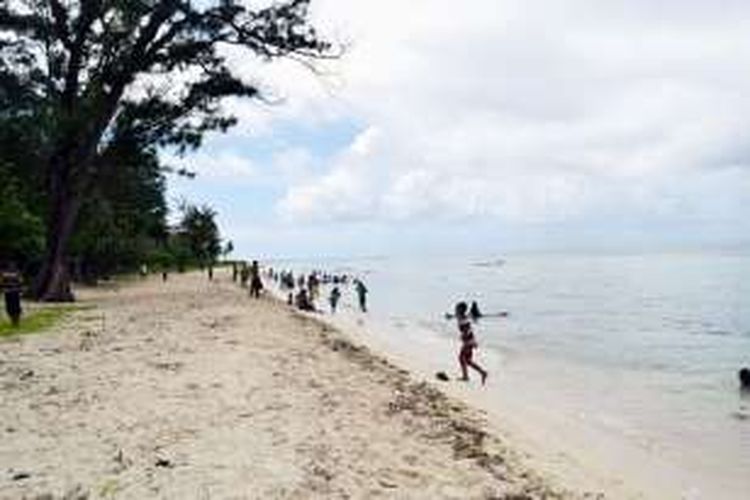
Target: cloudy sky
x,y
486,126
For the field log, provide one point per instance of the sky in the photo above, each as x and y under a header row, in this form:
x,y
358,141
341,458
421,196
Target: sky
x,y
490,126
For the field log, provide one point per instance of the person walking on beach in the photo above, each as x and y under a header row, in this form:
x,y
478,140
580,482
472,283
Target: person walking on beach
x,y
10,282
244,275
468,344
361,290
256,285
334,299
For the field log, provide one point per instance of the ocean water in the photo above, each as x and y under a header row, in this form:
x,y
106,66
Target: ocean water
x,y
631,360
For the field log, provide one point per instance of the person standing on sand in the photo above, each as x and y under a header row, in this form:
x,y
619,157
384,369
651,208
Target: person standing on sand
x,y
244,275
256,285
334,299
361,290
468,344
313,285
10,282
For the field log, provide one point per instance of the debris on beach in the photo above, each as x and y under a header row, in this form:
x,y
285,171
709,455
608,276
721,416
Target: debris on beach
x,y
164,463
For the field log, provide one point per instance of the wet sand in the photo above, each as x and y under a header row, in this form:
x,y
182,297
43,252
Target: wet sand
x,y
190,389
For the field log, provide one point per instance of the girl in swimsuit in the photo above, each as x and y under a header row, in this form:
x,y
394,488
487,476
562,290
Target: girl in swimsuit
x,y
468,344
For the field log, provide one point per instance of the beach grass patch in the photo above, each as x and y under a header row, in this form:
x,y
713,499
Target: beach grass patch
x,y
38,319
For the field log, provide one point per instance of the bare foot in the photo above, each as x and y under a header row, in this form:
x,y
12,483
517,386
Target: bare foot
x,y
463,379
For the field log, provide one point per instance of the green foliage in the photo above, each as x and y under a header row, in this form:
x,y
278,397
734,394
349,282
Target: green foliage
x,y
89,90
124,219
200,234
161,259
21,231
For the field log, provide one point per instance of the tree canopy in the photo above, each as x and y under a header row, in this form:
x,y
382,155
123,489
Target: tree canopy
x,y
95,87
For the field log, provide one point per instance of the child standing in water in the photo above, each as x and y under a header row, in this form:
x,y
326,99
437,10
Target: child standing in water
x,y
334,299
468,344
361,294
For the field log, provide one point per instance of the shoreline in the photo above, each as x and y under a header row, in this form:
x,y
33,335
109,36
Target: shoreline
x,y
571,448
190,389
559,462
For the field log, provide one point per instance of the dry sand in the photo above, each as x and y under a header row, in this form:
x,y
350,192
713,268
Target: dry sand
x,y
190,389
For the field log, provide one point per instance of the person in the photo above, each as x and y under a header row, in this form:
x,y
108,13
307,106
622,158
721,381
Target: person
x,y
468,344
244,275
313,284
744,375
334,298
164,274
361,290
210,272
302,301
256,285
10,282
235,272
474,311
144,270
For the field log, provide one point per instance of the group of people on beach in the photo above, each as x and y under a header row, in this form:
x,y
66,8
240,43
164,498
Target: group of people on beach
x,y
248,276
303,290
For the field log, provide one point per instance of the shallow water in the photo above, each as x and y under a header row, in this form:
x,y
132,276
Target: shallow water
x,y
640,351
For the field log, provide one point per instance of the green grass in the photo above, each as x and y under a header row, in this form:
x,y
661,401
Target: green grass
x,y
38,319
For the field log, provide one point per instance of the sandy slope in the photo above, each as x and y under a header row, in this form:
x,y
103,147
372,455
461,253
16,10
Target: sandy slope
x,y
190,389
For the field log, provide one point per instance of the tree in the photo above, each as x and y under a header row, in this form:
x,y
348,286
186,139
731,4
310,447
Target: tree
x,y
23,232
123,219
228,249
92,64
199,230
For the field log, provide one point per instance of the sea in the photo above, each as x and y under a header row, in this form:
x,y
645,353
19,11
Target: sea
x,y
624,366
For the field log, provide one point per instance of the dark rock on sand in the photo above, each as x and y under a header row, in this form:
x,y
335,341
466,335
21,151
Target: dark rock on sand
x,y
163,462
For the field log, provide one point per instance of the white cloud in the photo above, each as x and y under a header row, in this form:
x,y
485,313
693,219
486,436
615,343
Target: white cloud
x,y
343,193
532,110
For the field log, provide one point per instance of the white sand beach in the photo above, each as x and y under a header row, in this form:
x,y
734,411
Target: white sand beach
x,y
190,389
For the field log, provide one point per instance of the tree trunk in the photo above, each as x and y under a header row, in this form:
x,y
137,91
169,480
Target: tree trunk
x,y
52,284
70,177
